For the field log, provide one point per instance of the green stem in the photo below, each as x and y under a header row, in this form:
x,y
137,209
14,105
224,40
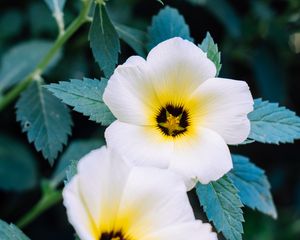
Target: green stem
x,y
59,42
42,205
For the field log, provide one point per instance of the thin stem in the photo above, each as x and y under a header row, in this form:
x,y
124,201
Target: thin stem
x,y
59,42
42,205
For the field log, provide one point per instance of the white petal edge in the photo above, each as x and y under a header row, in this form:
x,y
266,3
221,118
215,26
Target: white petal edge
x,y
195,230
179,67
224,105
129,93
142,146
102,176
158,198
77,213
204,157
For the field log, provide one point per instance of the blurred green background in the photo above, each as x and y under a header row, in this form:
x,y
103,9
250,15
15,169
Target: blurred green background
x,y
260,43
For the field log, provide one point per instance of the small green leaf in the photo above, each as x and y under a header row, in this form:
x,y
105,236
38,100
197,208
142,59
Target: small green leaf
x,y
221,202
168,23
104,41
21,60
55,5
18,171
11,232
86,97
253,185
71,171
133,37
46,120
273,124
76,150
208,45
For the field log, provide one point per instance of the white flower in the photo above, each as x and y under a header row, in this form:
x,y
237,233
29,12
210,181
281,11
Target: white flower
x,y
173,112
108,200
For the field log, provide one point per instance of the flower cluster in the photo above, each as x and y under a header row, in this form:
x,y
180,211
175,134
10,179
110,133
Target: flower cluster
x,y
174,121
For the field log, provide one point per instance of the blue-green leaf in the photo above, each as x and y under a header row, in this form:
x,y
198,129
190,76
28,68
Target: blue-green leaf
x,y
18,171
86,97
208,45
133,37
168,23
21,60
11,232
76,150
253,185
273,124
45,119
222,205
104,41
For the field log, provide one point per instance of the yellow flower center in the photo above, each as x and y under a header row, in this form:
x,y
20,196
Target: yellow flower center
x,y
172,120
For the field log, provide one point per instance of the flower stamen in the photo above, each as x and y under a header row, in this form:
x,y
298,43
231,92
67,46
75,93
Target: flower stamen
x,y
172,120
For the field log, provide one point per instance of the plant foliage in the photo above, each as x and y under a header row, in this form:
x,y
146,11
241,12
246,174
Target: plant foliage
x,y
86,97
45,119
273,124
168,23
104,41
253,185
222,205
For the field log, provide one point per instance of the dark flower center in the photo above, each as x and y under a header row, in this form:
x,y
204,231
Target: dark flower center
x,y
113,236
172,120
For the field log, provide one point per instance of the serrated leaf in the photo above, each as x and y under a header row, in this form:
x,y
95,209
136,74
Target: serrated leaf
x,y
21,60
208,45
168,23
273,124
45,119
86,97
104,41
18,171
11,232
222,205
253,185
55,5
133,37
76,150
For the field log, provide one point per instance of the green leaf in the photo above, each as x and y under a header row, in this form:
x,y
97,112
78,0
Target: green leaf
x,y
56,5
21,60
75,151
18,171
11,232
253,185
86,97
273,124
208,45
133,37
168,23
46,120
221,202
71,171
104,41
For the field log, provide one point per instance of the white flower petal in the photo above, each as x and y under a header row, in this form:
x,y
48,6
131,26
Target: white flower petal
x,y
195,230
179,67
143,146
78,214
224,105
204,157
129,93
102,176
154,199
